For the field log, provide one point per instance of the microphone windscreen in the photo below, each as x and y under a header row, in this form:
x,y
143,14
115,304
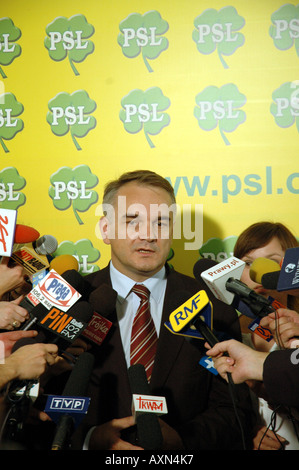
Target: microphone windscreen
x,y
81,311
75,280
270,280
138,380
45,245
79,378
25,234
261,266
148,427
103,299
63,263
201,265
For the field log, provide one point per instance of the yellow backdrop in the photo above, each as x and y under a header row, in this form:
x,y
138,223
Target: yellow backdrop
x,y
202,92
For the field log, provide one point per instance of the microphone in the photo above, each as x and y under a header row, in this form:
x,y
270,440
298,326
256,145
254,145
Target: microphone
x,y
45,245
187,319
260,267
33,256
57,326
63,263
148,428
69,409
103,301
287,279
71,282
25,234
230,290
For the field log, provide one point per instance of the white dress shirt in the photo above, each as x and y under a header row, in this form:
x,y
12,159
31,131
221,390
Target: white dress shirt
x,y
128,302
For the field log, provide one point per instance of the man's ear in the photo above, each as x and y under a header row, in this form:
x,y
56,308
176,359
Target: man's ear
x,y
103,228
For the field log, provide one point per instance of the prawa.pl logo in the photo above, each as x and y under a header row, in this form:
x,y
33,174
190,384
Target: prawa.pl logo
x,y
69,38
72,113
218,30
285,27
220,107
73,188
9,48
285,105
145,110
10,122
143,34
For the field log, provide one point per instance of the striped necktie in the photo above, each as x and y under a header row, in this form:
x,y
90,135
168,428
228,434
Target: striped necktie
x,y
144,336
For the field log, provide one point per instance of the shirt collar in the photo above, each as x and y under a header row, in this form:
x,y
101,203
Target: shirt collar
x,y
123,284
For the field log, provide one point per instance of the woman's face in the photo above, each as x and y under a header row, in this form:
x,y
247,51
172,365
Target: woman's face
x,y
273,251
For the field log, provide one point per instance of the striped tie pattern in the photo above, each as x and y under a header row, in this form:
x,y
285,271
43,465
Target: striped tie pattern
x,y
144,336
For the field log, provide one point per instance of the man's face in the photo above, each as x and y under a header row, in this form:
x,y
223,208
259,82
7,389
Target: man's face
x,y
140,230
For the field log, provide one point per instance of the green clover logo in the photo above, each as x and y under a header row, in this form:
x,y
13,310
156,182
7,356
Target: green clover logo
x,y
143,34
71,112
218,249
10,185
83,251
145,110
285,104
9,49
284,30
10,124
72,187
218,30
69,38
220,107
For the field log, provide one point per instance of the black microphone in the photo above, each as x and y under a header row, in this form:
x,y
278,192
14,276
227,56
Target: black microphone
x,y
58,327
76,386
103,301
148,427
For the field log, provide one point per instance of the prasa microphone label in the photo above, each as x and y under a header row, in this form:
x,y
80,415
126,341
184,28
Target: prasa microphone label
x,y
54,291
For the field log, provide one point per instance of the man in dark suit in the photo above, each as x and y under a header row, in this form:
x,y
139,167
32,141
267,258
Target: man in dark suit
x,y
200,410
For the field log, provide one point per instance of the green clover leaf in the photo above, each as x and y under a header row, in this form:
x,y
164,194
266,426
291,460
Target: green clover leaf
x,y
143,33
281,32
145,110
218,29
12,183
72,187
220,107
10,124
285,104
71,112
9,49
218,249
84,251
69,38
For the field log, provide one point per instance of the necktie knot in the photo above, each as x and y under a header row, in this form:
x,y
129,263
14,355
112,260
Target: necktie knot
x,y
141,291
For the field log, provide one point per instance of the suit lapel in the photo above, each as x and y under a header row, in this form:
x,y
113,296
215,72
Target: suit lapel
x,y
169,344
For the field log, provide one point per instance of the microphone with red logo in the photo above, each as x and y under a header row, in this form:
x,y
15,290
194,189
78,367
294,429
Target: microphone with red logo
x,y
103,302
146,409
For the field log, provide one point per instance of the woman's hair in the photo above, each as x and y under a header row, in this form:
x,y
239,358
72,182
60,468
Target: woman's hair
x,y
142,177
260,234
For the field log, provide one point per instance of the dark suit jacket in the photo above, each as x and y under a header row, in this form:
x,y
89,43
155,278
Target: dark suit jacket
x,y
199,405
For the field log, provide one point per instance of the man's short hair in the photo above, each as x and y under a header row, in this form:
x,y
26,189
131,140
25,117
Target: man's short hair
x,y
142,177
